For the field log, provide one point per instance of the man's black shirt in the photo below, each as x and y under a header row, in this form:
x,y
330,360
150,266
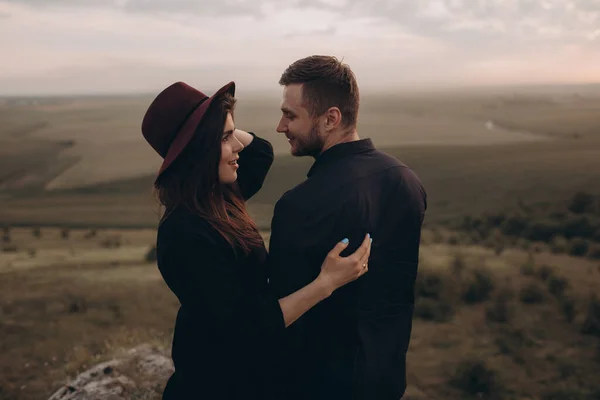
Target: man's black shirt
x,y
353,344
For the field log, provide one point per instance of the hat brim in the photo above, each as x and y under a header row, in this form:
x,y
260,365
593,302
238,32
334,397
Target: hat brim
x,y
188,129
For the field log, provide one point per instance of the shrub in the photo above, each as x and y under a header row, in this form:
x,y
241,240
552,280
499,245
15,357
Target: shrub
x,y
430,309
579,247
64,233
10,248
591,323
91,234
474,377
533,293
37,232
434,296
453,240
112,242
567,306
542,230
557,285
475,237
495,220
151,255
514,225
500,310
478,286
582,202
429,284
6,235
579,226
545,272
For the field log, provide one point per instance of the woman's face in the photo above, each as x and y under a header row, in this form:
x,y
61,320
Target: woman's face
x,y
230,147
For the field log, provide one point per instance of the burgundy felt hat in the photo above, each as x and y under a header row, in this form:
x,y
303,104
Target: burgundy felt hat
x,y
171,120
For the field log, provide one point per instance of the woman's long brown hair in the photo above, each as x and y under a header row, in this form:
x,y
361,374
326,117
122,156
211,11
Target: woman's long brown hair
x,y
192,182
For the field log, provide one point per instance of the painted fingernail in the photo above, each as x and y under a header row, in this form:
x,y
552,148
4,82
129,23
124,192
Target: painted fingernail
x,y
371,240
345,241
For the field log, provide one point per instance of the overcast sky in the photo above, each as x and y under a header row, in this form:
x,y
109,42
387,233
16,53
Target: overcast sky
x,y
79,46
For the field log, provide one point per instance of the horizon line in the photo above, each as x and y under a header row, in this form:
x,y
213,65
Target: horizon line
x,y
411,88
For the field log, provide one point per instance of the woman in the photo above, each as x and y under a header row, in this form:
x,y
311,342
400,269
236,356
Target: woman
x,y
211,254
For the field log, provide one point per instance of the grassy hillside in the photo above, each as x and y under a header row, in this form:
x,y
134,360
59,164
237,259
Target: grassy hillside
x,y
460,180
506,306
494,326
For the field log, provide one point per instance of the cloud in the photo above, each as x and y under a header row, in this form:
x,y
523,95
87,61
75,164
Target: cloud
x,y
526,19
67,44
326,31
450,19
172,7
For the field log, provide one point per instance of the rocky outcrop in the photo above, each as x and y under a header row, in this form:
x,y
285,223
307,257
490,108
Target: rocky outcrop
x,y
138,372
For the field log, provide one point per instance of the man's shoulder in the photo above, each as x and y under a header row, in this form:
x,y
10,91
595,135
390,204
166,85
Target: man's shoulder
x,y
291,196
386,158
396,167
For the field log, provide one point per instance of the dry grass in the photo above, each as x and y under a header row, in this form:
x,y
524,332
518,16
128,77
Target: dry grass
x,y
472,332
504,347
57,322
489,321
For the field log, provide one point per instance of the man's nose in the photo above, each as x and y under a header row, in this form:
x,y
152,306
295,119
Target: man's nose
x,y
281,127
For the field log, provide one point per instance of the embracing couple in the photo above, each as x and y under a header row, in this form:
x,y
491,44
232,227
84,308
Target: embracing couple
x,y
327,312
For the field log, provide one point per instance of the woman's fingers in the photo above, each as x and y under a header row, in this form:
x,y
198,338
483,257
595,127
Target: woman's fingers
x,y
336,251
363,249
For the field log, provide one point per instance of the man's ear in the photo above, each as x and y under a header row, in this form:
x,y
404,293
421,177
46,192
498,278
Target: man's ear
x,y
333,118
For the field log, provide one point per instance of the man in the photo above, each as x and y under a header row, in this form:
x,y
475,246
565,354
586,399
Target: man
x,y
352,345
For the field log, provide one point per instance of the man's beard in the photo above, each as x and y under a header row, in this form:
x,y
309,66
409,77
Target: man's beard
x,y
312,145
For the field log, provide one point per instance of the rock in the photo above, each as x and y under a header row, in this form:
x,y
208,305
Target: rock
x,y
114,380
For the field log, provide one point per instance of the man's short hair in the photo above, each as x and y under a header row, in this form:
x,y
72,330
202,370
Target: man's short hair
x,y
326,82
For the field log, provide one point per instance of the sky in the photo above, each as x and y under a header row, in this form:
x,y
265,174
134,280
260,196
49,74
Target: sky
x,y
131,46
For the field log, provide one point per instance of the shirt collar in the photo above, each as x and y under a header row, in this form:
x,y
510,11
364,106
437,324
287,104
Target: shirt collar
x,y
339,151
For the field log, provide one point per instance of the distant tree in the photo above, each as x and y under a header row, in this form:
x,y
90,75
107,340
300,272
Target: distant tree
x,y
578,226
542,230
151,255
582,202
515,225
6,235
579,247
591,324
